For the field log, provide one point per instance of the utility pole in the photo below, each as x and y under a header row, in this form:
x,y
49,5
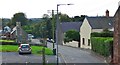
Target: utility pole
x,y
43,49
53,28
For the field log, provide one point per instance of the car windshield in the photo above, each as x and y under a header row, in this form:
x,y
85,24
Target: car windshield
x,y
24,46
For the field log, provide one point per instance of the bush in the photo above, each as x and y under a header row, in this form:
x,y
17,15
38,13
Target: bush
x,y
102,45
72,35
102,34
67,39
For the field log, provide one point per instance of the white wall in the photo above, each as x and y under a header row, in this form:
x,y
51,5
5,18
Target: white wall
x,y
85,32
112,29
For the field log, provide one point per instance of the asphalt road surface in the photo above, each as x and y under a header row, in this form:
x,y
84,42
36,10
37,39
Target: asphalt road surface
x,y
77,55
14,57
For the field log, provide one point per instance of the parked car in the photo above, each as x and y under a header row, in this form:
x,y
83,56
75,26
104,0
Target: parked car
x,y
30,37
50,40
24,48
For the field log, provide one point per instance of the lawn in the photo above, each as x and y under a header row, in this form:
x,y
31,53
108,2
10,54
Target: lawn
x,y
7,40
35,49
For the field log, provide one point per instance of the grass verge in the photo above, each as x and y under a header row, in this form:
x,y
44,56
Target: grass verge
x,y
7,40
35,49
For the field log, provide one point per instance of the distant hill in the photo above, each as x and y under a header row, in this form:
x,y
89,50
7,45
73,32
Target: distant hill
x,y
35,20
5,21
31,20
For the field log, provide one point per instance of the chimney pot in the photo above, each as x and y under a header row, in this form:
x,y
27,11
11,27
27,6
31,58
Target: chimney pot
x,y
107,13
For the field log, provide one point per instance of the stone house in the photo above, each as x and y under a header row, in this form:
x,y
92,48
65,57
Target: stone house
x,y
116,42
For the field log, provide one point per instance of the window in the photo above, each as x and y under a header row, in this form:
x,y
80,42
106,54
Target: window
x,y
88,42
83,41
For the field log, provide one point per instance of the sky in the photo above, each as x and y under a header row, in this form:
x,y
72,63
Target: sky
x,y
36,8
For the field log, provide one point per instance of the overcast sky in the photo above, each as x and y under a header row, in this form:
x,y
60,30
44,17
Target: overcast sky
x,y
36,8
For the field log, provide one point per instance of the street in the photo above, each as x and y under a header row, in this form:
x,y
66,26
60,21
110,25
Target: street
x,y
76,55
66,55
14,57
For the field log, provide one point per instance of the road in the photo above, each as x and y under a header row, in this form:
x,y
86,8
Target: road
x,y
14,57
77,55
66,55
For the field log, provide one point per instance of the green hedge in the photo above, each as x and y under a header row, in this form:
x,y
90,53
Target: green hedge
x,y
102,34
102,45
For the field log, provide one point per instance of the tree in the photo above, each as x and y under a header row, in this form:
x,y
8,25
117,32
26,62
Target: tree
x,y
72,35
78,18
47,25
63,17
19,17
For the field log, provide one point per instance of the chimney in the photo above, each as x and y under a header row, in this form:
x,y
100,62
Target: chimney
x,y
107,13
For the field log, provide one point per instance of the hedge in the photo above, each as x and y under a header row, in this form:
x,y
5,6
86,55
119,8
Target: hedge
x,y
102,34
102,45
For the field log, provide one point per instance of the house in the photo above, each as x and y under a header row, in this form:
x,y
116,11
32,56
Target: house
x,y
116,42
0,27
18,33
66,26
94,24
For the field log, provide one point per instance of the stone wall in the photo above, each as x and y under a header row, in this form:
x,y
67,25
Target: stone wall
x,y
116,45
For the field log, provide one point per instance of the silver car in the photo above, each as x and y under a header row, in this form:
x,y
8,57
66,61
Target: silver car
x,y
24,48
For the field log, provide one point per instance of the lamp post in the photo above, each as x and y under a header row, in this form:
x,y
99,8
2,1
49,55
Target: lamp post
x,y
58,30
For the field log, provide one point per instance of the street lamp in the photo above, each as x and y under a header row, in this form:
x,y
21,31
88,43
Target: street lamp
x,y
58,30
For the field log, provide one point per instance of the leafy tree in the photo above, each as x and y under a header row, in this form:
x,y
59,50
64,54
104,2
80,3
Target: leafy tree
x,y
78,18
72,35
63,17
19,17
43,28
47,26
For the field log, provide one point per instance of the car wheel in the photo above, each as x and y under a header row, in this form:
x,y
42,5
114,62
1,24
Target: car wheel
x,y
30,53
19,53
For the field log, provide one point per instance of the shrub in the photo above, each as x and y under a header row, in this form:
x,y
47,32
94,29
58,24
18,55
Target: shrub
x,y
102,34
102,45
72,35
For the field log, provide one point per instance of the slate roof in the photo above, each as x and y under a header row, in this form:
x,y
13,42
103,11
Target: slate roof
x,y
118,10
101,22
66,26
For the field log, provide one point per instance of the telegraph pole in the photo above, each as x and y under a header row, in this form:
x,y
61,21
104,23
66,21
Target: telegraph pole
x,y
53,29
